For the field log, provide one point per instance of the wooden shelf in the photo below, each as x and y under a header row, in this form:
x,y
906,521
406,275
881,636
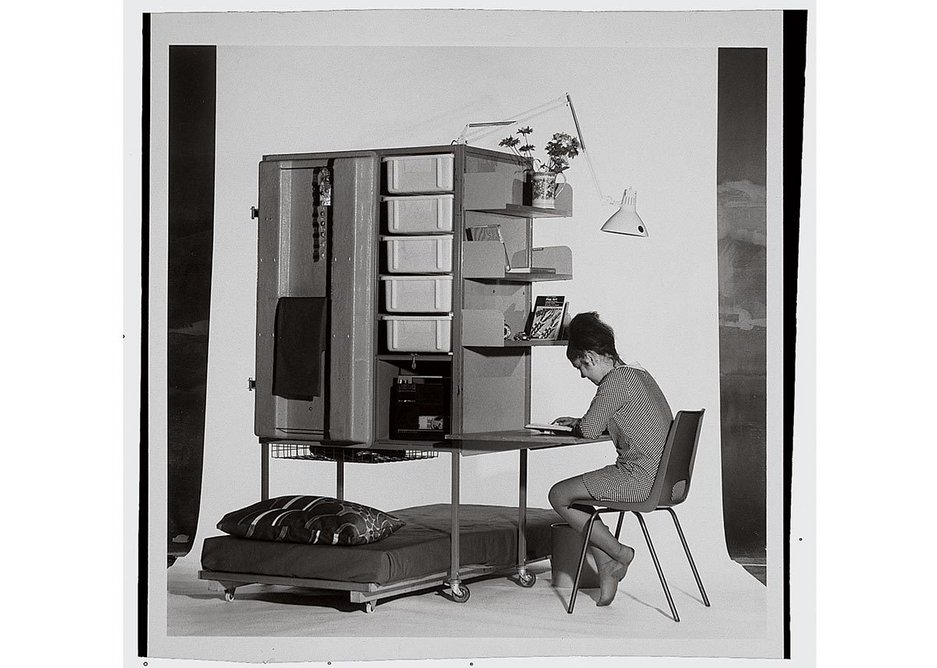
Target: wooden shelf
x,y
493,193
484,260
534,343
534,276
483,328
519,211
510,343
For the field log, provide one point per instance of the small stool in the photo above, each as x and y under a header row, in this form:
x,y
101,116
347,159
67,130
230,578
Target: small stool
x,y
564,559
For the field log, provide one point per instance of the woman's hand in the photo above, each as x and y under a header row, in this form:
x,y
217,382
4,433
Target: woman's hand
x,y
568,421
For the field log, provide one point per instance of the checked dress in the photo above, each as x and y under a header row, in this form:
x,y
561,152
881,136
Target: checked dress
x,y
631,407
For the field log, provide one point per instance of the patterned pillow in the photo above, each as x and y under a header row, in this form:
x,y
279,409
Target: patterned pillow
x,y
310,519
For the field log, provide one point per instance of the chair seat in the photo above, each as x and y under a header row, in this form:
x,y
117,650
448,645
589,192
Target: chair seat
x,y
623,506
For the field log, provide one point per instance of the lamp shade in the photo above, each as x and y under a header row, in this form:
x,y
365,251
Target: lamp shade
x,y
626,220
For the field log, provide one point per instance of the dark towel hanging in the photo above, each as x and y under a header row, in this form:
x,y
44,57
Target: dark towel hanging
x,y
300,338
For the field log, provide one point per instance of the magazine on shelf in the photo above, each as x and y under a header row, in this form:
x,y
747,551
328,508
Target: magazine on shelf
x,y
484,233
546,319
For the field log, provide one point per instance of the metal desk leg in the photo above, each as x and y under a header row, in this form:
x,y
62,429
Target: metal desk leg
x,y
340,480
522,517
524,577
264,471
459,593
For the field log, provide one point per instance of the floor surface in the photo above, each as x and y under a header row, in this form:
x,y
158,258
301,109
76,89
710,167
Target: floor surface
x,y
497,615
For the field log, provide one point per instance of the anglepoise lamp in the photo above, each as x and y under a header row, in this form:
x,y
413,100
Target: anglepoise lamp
x,y
625,220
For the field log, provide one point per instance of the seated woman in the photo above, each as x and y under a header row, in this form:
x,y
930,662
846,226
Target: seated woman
x,y
631,407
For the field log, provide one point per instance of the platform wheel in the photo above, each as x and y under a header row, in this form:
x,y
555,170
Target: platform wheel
x,y
460,593
526,579
229,595
368,607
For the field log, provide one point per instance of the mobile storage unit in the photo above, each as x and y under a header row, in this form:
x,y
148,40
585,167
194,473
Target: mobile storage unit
x,y
368,251
371,287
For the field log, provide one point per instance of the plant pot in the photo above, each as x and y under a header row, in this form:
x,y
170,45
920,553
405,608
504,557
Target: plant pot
x,y
544,189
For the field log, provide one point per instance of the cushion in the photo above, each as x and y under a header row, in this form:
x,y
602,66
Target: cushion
x,y
310,519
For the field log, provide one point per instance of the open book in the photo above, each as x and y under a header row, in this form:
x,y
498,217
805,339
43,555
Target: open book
x,y
552,428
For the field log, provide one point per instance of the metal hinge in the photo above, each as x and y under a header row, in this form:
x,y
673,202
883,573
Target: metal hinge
x,y
255,212
251,384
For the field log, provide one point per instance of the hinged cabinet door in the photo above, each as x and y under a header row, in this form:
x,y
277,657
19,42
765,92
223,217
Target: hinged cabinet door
x,y
354,267
317,221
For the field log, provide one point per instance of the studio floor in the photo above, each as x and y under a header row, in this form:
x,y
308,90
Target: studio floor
x,y
500,618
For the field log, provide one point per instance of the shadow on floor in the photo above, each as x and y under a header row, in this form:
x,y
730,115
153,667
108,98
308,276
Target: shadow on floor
x,y
755,567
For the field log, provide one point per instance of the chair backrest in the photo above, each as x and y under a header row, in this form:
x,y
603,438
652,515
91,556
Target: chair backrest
x,y
672,483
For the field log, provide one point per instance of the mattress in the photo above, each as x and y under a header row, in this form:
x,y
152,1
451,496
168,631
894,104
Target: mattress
x,y
487,536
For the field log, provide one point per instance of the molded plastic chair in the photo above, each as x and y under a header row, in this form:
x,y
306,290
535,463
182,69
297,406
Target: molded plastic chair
x,y
671,486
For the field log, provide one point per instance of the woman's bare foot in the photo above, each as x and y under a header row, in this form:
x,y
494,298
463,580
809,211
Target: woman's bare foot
x,y
611,573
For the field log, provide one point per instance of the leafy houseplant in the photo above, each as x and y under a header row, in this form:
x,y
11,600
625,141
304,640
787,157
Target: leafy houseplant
x,y
542,174
561,149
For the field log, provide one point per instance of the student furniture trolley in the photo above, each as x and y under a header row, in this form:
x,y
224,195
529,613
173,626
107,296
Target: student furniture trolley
x,y
375,288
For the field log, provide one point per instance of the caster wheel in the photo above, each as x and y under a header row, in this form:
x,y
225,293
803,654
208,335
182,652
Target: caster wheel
x,y
527,580
461,595
229,595
369,607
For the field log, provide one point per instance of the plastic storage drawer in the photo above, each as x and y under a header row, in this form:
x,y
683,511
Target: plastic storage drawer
x,y
418,254
419,173
417,294
418,333
419,214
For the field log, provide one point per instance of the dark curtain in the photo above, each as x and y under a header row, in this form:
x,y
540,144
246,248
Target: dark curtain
x,y
742,230
191,213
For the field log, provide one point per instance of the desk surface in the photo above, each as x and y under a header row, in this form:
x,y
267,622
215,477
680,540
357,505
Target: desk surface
x,y
514,439
467,444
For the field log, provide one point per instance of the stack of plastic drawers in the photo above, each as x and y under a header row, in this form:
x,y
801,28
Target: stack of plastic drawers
x,y
418,253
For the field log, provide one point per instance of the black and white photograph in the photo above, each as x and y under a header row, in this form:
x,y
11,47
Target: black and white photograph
x,y
272,401
334,464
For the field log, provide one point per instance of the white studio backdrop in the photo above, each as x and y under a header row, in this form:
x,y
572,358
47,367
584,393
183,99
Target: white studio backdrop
x,y
659,293
646,100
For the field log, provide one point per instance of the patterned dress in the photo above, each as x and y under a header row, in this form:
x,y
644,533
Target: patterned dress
x,y
631,407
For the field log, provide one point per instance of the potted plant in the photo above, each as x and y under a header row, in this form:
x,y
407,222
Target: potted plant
x,y
543,174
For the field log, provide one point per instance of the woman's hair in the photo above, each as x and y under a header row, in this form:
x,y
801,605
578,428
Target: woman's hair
x,y
586,332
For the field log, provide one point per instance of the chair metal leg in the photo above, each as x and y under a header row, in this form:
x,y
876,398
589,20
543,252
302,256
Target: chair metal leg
x,y
660,572
689,556
587,531
621,518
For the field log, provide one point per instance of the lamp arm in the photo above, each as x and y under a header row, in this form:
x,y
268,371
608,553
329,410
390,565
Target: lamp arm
x,y
469,135
582,144
595,180
463,138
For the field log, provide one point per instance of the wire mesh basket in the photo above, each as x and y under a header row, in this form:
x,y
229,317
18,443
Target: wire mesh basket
x,y
327,453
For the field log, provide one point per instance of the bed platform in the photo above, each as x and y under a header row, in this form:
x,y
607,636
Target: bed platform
x,y
415,558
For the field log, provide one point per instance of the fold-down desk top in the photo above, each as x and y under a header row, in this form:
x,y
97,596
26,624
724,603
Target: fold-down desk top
x,y
515,439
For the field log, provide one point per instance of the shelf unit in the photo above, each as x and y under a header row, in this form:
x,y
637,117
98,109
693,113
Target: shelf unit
x,y
487,377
